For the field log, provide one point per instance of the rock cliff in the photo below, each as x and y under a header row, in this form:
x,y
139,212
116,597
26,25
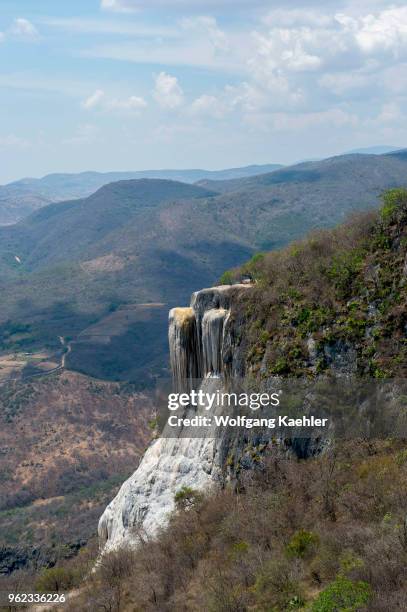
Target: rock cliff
x,y
203,347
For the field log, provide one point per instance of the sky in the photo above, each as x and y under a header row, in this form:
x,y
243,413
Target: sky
x,y
141,84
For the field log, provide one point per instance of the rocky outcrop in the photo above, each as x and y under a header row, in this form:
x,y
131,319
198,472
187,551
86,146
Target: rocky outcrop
x,y
203,346
144,501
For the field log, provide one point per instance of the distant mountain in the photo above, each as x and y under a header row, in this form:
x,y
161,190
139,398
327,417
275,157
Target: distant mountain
x,y
399,154
20,198
377,150
78,268
377,172
78,229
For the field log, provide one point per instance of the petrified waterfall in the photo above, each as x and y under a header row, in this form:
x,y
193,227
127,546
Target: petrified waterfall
x,y
196,343
212,340
184,347
200,344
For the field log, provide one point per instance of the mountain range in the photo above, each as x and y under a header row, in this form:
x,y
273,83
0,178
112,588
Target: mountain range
x,y
18,199
80,269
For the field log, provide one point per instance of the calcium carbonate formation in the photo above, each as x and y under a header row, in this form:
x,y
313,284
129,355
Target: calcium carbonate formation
x,y
201,347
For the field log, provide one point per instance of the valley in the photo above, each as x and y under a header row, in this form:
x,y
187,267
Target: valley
x,y
155,241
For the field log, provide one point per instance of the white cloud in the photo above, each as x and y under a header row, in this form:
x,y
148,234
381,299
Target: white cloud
x,y
247,97
385,31
94,100
208,105
300,40
293,17
99,101
390,112
11,141
209,27
343,83
24,29
192,42
304,56
167,91
119,6
133,103
287,49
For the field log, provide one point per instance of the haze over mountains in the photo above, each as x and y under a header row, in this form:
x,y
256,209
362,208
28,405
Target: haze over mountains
x,y
375,150
79,268
20,198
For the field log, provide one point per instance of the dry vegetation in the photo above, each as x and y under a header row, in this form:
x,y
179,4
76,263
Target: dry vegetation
x,y
67,443
326,534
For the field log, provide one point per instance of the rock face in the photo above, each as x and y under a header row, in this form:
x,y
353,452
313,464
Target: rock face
x,y
183,341
145,499
202,346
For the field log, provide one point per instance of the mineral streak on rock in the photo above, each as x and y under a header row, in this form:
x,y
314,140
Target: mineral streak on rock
x,y
199,340
183,342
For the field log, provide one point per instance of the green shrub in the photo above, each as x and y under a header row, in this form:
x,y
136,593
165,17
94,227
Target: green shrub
x,y
391,201
343,595
345,266
226,278
56,579
187,498
277,587
239,549
254,266
256,258
302,543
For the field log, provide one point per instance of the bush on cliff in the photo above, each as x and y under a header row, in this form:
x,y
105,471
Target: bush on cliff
x,y
338,288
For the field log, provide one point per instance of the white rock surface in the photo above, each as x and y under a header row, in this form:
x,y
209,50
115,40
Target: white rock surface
x,y
196,337
147,497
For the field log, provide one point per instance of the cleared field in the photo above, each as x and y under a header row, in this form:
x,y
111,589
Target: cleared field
x,y
16,366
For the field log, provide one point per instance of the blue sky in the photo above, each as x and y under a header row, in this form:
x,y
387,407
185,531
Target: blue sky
x,y
137,84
